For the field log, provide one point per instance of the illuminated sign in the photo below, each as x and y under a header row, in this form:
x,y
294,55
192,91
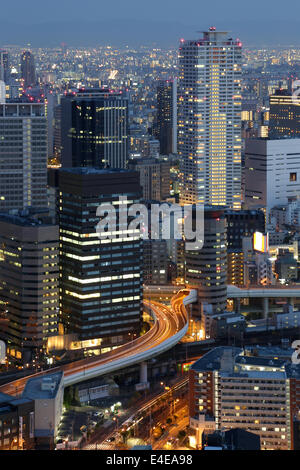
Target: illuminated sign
x,y
260,242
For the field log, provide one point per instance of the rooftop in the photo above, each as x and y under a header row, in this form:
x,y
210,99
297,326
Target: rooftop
x,y
43,387
22,220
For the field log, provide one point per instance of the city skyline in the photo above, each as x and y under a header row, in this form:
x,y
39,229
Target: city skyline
x,y
149,228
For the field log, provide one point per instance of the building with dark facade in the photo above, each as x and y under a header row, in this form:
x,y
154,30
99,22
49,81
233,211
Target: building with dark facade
x,y
4,66
165,127
240,224
154,177
16,423
206,269
101,279
94,129
284,115
27,69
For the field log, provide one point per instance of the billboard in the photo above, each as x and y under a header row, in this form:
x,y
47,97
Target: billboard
x,y
261,242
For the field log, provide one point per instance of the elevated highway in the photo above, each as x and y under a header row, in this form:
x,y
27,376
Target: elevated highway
x,y
170,326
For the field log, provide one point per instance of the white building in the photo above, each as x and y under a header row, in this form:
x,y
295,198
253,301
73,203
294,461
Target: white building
x,y
209,119
48,393
272,172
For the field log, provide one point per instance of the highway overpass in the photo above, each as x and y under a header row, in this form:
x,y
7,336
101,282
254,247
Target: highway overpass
x,y
170,325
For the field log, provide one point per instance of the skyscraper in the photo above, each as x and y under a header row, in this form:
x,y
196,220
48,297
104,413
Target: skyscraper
x,y
27,69
101,280
4,66
209,119
23,156
206,269
94,127
28,283
166,118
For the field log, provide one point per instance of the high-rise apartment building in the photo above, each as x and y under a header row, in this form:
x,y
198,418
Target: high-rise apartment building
x,y
166,118
27,69
29,294
209,119
101,279
229,389
23,156
206,269
94,129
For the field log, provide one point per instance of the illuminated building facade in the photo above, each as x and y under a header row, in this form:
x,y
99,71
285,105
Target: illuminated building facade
x,y
284,115
101,280
23,156
209,119
257,394
29,275
94,129
27,69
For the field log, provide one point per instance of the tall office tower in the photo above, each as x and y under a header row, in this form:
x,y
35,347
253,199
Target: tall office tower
x,y
154,177
28,283
166,119
272,173
4,66
229,389
101,280
27,69
57,134
284,115
94,129
209,119
206,269
23,156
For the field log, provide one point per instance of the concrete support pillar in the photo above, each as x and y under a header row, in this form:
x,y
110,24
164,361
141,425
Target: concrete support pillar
x,y
238,306
266,307
292,301
143,373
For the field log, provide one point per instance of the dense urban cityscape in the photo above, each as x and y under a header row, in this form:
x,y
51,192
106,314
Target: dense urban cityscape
x,y
149,246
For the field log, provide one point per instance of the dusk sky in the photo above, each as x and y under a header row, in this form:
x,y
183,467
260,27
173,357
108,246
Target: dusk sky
x,y
187,11
161,22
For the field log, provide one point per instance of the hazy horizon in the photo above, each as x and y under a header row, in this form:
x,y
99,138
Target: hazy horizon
x,y
134,23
